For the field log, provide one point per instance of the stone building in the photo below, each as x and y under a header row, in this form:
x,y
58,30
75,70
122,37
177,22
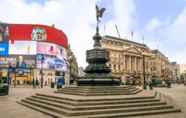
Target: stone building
x,y
72,65
160,65
127,57
175,69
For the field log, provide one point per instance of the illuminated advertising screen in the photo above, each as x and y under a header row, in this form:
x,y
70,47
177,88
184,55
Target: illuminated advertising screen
x,y
47,62
4,49
47,48
22,48
62,54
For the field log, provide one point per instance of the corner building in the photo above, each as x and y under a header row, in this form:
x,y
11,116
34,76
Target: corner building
x,y
32,52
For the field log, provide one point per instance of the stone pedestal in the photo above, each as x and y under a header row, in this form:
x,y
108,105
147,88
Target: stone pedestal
x,y
97,72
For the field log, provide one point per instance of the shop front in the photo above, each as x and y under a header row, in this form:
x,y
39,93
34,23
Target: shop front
x,y
4,73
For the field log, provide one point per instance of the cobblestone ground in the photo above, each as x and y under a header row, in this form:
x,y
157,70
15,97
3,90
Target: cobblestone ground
x,y
10,109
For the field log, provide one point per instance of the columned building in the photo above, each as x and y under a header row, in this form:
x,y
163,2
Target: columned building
x,y
127,58
160,66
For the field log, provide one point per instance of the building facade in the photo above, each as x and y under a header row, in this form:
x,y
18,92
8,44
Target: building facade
x,y
30,52
175,69
128,59
132,60
160,65
72,65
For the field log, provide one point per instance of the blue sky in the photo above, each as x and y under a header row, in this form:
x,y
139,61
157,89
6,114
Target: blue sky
x,y
162,9
161,22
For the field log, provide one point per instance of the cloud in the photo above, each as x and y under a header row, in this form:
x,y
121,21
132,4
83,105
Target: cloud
x,y
169,36
124,17
75,18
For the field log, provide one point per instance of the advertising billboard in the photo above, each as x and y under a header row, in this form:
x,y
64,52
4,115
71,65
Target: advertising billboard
x,y
4,49
47,48
37,32
47,62
62,54
23,48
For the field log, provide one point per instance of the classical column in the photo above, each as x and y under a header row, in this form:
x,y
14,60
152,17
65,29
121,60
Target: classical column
x,y
124,64
135,63
130,64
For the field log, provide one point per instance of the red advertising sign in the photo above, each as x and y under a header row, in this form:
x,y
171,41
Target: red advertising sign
x,y
37,33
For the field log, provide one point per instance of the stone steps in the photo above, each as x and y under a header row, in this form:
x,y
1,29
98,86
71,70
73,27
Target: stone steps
x,y
137,113
95,98
100,101
111,110
99,91
98,107
40,109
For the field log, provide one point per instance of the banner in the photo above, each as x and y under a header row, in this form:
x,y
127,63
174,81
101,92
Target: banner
x,y
22,48
4,49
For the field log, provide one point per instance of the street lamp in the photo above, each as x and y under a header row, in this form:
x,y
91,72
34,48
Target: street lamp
x,y
41,72
144,80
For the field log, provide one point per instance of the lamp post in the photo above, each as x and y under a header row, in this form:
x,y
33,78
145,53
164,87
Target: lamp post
x,y
144,79
41,72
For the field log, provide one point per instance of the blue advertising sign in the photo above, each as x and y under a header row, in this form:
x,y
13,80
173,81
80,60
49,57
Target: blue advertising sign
x,y
4,49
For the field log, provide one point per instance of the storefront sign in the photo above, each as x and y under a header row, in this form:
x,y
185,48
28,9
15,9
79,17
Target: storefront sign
x,y
22,48
4,49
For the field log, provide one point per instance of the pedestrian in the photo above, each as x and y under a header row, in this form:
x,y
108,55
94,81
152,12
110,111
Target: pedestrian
x,y
150,84
37,83
33,83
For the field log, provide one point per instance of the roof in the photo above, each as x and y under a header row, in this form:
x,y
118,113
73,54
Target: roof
x,y
125,40
24,32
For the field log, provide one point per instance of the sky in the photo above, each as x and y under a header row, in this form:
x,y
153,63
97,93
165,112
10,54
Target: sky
x,y
162,23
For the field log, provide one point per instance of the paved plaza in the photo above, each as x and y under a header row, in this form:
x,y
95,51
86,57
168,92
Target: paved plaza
x,y
10,109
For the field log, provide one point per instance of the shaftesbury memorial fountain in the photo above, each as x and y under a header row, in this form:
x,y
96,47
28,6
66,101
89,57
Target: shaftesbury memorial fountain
x,y
97,72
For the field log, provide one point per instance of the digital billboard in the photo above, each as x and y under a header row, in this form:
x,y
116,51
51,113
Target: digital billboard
x,y
62,54
47,48
23,48
37,32
48,62
4,49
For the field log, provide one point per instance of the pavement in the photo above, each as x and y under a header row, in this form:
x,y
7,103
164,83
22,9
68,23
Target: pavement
x,y
178,94
10,109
